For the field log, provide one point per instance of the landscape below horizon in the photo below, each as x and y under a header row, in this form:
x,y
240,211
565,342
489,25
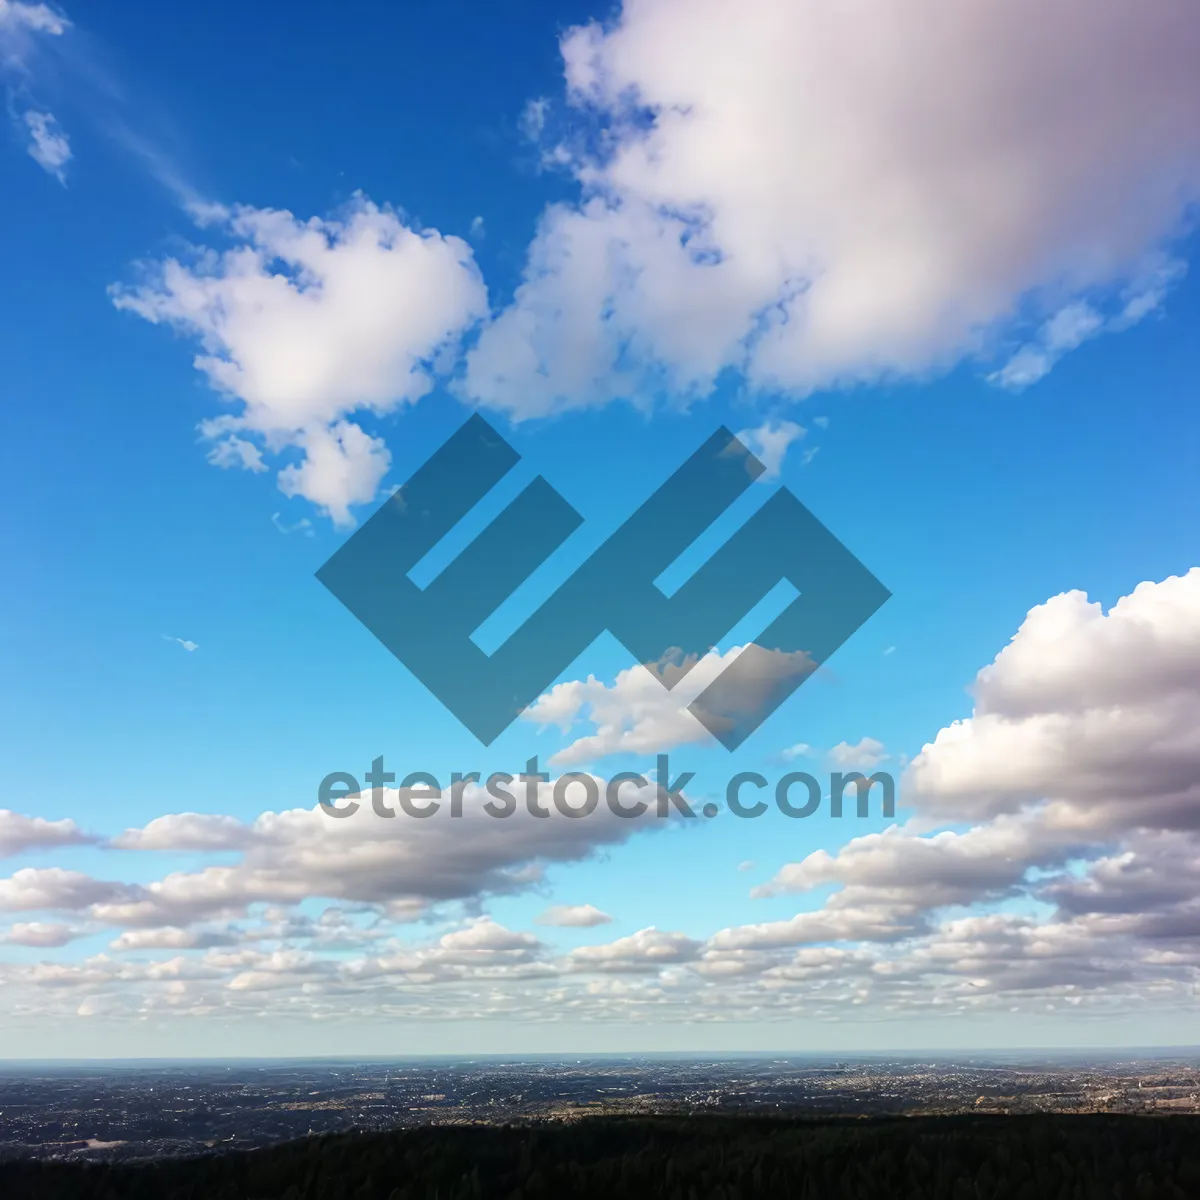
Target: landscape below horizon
x,y
1064,1125
132,1111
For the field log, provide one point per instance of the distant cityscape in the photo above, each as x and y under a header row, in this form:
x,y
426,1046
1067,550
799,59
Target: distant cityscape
x,y
131,1111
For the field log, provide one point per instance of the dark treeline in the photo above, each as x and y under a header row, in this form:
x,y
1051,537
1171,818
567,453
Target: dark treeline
x,y
697,1158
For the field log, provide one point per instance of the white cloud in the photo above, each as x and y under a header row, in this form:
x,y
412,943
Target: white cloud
x,y
168,937
188,832
868,753
1087,822
235,452
305,324
574,916
1079,765
484,940
818,196
638,714
402,863
915,871
649,949
635,714
1077,322
1097,711
21,25
799,750
39,18
342,466
49,147
55,889
189,646
769,444
852,923
533,118
39,934
303,526
19,833
1066,330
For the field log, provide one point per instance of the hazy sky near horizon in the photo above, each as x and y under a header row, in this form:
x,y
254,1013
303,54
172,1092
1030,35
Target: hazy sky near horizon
x,y
930,262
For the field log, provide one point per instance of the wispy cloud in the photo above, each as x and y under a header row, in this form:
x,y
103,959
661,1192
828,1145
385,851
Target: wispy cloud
x,y
49,146
26,30
304,525
868,753
187,645
1080,321
22,26
574,916
799,750
40,18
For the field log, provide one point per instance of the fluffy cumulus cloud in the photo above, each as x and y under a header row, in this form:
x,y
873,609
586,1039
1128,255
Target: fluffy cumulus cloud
x,y
55,889
815,194
636,713
379,855
867,753
802,194
901,875
649,949
1098,713
1076,777
1051,862
574,916
42,935
19,833
306,324
645,709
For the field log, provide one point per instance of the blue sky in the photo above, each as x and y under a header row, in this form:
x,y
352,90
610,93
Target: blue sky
x,y
610,231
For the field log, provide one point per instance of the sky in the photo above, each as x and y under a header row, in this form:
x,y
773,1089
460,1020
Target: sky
x,y
930,263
